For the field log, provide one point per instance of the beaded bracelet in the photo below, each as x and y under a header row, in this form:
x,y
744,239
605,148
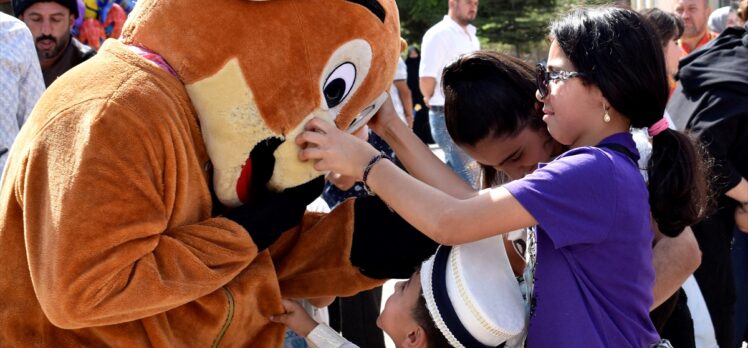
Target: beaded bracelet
x,y
371,164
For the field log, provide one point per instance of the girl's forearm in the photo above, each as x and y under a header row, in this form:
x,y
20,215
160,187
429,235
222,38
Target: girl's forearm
x,y
421,163
442,217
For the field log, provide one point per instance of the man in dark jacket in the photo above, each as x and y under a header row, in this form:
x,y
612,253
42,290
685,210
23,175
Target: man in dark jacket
x,y
51,23
712,102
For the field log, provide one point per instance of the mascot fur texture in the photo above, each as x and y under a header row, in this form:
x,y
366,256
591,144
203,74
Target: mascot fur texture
x,y
111,203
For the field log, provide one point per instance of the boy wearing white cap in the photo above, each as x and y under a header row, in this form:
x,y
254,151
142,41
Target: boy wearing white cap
x,y
463,296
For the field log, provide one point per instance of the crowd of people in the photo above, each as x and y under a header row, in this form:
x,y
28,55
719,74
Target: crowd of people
x,y
600,195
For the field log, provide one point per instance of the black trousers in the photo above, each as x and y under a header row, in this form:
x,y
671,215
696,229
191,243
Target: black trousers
x,y
673,321
715,275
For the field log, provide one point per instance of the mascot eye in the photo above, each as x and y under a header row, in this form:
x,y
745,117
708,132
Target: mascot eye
x,y
339,84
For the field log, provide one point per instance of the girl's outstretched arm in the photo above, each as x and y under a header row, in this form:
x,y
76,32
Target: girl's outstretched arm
x,y
416,156
442,217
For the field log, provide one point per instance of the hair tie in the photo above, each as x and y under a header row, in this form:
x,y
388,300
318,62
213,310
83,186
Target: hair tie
x,y
658,127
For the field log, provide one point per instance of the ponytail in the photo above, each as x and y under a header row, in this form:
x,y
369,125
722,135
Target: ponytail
x,y
679,192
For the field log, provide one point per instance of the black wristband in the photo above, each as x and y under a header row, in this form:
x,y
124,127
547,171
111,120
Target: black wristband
x,y
368,168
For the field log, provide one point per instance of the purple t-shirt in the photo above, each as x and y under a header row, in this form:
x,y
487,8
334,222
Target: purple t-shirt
x,y
594,272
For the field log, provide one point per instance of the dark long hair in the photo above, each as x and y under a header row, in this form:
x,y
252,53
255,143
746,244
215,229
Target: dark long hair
x,y
619,52
667,25
486,94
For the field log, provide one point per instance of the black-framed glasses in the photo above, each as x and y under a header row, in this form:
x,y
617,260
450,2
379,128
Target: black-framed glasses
x,y
543,77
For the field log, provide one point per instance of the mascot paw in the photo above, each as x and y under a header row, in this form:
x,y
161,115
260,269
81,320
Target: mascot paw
x,y
269,214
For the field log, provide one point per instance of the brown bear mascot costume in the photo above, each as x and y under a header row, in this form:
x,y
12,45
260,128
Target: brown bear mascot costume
x,y
155,198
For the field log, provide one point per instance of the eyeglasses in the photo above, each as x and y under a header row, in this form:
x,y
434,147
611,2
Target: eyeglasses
x,y
544,76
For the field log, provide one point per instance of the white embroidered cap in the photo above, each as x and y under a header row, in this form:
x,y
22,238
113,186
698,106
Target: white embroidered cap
x,y
472,294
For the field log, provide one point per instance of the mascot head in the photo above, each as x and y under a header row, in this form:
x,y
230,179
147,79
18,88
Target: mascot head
x,y
259,70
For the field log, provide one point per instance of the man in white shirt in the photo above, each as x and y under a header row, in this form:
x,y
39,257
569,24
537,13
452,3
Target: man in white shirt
x,y
402,99
20,80
442,43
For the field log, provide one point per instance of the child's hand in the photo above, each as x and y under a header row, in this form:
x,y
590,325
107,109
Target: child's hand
x,y
345,182
296,318
334,150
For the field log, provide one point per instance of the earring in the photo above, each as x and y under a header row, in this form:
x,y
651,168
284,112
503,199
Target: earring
x,y
606,117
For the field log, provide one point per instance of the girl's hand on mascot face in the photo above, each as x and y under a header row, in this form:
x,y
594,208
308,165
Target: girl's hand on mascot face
x,y
345,182
383,118
333,149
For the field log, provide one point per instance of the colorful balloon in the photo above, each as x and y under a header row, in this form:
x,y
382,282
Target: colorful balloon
x,y
115,19
92,9
127,5
81,13
92,33
104,6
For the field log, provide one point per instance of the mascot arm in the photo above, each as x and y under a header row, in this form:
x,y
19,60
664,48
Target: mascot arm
x,y
97,212
357,246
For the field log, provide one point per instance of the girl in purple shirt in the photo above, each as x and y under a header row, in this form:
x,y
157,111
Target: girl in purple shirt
x,y
594,275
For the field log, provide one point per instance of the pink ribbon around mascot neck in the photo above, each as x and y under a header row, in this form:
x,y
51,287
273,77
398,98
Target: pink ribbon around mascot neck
x,y
155,58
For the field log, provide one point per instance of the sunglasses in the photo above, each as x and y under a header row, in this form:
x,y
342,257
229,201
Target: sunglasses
x,y
544,77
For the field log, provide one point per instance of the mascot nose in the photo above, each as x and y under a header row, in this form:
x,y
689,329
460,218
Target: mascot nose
x,y
258,169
